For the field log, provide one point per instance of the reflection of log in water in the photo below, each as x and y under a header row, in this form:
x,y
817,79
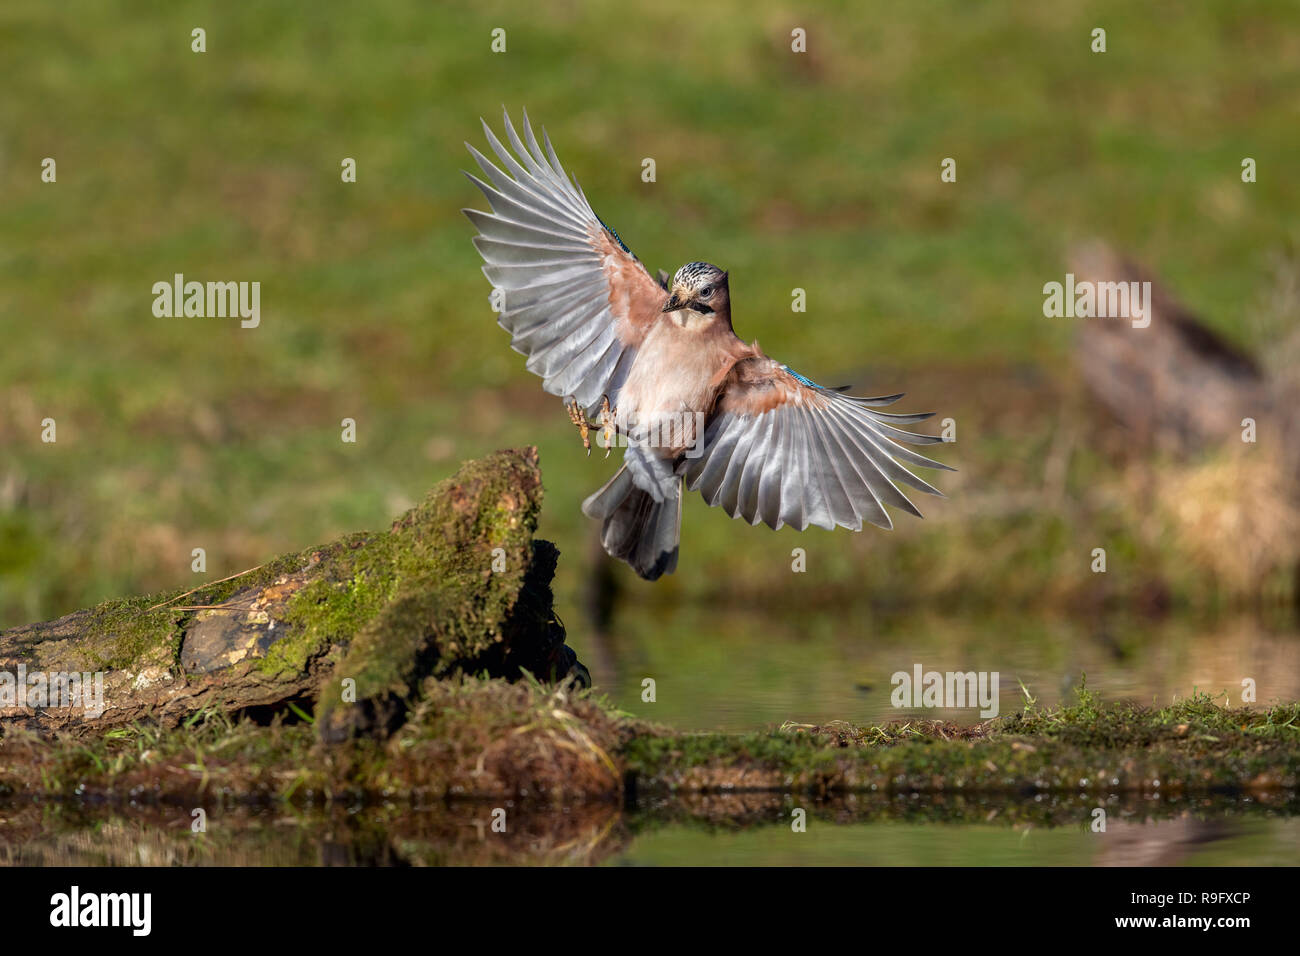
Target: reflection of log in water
x,y
600,596
1141,832
461,834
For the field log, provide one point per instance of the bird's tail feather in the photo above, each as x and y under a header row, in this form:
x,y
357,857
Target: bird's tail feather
x,y
637,529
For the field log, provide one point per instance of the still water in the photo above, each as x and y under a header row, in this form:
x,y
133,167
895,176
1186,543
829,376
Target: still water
x,y
746,829
745,669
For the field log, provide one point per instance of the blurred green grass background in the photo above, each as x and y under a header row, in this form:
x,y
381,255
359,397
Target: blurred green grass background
x,y
818,171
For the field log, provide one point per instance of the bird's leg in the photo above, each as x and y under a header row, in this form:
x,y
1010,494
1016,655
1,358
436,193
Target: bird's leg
x,y
578,416
608,429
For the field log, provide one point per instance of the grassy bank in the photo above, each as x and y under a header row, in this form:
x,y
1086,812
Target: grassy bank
x,y
817,171
474,738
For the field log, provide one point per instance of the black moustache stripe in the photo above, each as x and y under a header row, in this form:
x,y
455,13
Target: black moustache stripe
x,y
701,308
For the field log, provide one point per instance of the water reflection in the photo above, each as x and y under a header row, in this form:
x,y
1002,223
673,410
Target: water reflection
x,y
736,669
750,828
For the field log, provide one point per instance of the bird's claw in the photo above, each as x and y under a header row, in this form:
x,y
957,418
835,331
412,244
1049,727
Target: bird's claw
x,y
607,426
578,416
608,429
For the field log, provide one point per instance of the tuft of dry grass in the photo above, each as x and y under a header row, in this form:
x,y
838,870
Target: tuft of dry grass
x,y
1234,516
546,742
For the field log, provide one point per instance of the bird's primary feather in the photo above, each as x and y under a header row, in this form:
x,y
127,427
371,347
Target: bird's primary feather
x,y
780,449
575,299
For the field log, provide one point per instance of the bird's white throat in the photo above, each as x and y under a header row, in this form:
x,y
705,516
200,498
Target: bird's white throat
x,y
689,320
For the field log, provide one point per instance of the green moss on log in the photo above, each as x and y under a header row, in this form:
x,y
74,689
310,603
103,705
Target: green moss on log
x,y
447,587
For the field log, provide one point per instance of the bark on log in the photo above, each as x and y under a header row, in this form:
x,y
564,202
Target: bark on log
x,y
458,582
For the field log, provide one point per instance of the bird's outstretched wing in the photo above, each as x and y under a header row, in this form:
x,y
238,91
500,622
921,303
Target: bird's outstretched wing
x,y
783,450
577,302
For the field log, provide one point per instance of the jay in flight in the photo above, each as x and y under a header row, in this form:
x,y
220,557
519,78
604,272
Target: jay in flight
x,y
658,362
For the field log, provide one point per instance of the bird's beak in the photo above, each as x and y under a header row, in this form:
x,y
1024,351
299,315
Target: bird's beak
x,y
673,303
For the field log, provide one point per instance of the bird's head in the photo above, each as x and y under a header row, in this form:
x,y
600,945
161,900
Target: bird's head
x,y
701,287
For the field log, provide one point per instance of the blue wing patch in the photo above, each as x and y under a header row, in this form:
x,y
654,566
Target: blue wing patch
x,y
807,381
609,230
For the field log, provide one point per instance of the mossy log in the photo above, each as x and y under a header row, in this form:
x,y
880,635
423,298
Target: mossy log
x,y
458,583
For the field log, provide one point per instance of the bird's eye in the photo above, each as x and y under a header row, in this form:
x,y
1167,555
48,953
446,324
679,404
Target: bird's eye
x,y
706,292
